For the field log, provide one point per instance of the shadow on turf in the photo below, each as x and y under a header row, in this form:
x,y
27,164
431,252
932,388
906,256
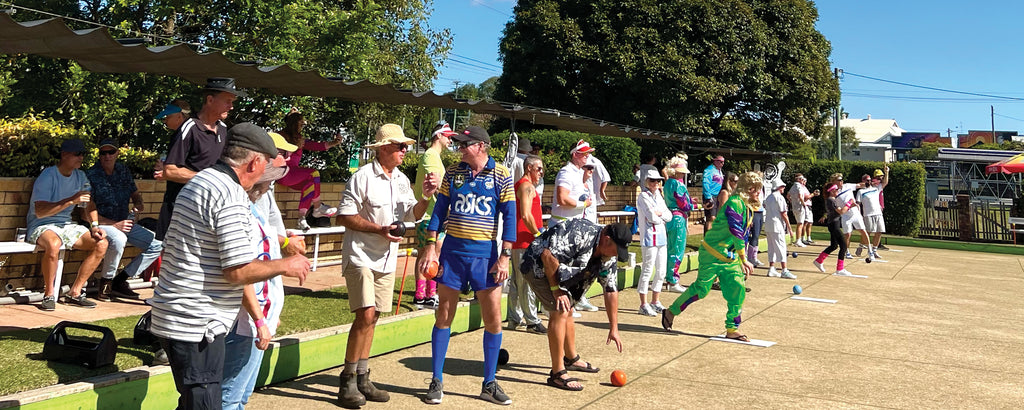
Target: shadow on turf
x,y
654,328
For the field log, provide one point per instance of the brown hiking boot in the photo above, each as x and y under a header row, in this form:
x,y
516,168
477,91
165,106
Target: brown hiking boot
x,y
349,396
371,392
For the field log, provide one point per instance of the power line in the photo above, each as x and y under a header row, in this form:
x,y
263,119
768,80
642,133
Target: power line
x,y
483,3
928,99
471,65
1008,117
478,61
1000,97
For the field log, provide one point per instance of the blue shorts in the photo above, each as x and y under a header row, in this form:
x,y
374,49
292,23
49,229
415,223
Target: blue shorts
x,y
457,270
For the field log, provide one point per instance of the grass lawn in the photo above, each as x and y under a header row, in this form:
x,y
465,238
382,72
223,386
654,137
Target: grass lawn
x,y
19,349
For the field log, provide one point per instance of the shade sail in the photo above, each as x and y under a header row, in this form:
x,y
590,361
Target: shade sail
x,y
96,50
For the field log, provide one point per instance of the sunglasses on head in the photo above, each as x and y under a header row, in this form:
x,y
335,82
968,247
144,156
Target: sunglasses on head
x,y
108,152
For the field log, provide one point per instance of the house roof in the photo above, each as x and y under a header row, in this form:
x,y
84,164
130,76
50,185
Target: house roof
x,y
873,130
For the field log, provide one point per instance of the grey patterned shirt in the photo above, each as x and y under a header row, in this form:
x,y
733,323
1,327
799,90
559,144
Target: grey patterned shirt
x,y
572,242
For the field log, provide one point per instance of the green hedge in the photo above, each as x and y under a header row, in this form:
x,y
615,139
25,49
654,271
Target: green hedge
x,y
904,196
618,154
29,144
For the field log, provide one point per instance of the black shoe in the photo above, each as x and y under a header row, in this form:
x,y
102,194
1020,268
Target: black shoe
x,y
667,318
435,392
160,358
349,396
537,328
881,247
120,288
494,394
369,390
104,292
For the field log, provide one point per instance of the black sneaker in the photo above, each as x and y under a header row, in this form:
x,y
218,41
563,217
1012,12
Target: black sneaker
x,y
436,392
537,328
494,394
48,304
103,293
160,358
120,288
79,300
425,303
881,247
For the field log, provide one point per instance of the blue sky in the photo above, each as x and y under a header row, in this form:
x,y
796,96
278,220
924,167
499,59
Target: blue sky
x,y
964,46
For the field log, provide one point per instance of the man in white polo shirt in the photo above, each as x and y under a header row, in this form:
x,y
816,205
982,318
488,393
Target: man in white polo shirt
x,y
569,201
871,203
376,200
208,258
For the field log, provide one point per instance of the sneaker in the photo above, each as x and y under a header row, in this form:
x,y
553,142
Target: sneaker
x,y
494,394
874,255
772,273
324,211
585,306
848,255
658,307
808,241
512,326
786,274
645,310
757,263
843,272
121,289
576,314
537,328
425,303
819,266
860,250
303,225
103,293
881,247
48,304
79,300
160,358
435,392
677,288
800,244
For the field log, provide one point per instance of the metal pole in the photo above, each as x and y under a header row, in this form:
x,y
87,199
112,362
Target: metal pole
x,y
839,110
993,108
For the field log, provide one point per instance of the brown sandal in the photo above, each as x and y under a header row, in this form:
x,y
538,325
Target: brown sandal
x,y
570,364
737,336
556,380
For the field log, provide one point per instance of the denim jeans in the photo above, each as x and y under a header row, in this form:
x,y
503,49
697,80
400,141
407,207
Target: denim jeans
x,y
139,237
241,367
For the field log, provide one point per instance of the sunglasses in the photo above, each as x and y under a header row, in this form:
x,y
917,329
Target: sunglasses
x,y
400,147
108,152
467,144
78,154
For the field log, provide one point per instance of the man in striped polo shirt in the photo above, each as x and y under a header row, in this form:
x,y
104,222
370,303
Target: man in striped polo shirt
x,y
208,258
471,196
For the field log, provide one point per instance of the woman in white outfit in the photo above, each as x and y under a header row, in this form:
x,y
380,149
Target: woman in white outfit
x,y
652,214
777,226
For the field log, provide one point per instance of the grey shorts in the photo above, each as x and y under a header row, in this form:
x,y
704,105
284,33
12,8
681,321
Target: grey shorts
x,y
874,223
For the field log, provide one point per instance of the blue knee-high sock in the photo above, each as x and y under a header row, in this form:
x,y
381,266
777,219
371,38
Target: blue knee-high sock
x,y
439,348
492,345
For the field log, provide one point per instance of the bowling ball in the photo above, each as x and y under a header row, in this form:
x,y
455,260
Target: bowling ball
x,y
618,378
397,229
867,260
795,254
503,357
797,289
431,272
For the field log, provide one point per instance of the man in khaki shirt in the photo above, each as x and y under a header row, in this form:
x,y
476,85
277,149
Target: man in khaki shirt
x,y
376,198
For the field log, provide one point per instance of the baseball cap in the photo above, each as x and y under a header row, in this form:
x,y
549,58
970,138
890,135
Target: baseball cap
x,y
252,137
72,145
473,133
622,235
879,173
108,142
582,147
168,110
282,143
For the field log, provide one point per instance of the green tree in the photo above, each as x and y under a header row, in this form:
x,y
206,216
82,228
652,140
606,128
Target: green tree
x,y
382,41
927,151
690,66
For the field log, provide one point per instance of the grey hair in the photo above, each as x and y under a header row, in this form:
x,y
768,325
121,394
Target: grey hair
x,y
532,160
236,156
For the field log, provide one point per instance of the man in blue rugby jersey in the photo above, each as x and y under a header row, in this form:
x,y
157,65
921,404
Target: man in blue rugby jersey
x,y
471,196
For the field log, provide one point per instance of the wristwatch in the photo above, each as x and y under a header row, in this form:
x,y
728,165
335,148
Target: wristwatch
x,y
506,252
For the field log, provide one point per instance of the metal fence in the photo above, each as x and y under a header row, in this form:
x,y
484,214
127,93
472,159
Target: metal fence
x,y
989,219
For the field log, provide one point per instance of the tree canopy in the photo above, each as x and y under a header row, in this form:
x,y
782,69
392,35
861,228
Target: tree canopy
x,y
384,41
751,72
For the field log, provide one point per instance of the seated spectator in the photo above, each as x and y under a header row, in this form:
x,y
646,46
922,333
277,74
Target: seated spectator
x,y
305,180
114,186
58,189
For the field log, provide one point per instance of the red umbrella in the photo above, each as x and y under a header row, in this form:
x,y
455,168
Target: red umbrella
x,y
1010,165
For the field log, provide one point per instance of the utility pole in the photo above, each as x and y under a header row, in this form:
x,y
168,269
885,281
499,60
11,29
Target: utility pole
x,y
993,108
839,110
455,116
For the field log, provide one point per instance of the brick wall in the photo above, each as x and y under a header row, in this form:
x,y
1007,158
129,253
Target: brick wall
x,y
22,271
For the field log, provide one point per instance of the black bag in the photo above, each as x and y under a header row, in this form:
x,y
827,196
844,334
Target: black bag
x,y
142,336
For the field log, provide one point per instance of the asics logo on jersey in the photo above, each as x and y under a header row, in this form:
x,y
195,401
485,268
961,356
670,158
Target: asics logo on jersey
x,y
472,204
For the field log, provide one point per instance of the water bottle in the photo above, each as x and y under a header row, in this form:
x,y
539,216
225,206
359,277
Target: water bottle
x,y
88,188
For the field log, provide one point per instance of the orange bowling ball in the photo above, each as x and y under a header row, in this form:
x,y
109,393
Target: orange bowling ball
x,y
431,271
618,378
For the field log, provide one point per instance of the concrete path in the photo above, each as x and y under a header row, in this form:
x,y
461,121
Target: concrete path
x,y
929,329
